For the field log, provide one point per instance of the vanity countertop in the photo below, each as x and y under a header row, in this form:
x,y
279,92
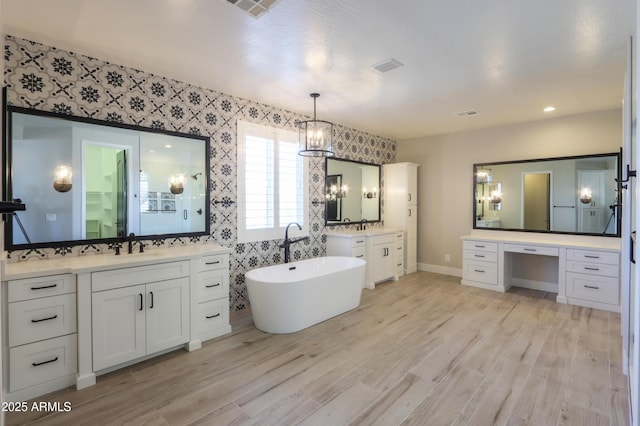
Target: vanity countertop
x,y
100,262
564,240
366,233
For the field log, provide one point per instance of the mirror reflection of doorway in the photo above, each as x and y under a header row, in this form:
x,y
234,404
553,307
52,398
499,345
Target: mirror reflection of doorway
x,y
536,200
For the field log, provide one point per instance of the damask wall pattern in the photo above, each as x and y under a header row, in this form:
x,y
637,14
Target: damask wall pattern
x,y
45,78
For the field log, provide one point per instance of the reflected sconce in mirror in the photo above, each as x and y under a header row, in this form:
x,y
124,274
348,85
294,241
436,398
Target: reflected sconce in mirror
x,y
483,176
334,193
370,194
495,197
62,181
176,183
585,195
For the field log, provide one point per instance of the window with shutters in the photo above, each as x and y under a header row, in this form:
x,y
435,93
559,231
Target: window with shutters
x,y
272,183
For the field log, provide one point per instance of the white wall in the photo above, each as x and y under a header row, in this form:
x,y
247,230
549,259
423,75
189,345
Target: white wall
x,y
445,178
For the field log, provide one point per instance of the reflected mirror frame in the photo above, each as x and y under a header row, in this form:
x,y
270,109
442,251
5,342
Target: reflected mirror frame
x,y
7,177
618,155
326,171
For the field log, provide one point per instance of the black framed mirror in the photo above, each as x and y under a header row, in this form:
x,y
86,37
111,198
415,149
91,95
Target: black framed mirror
x,y
352,191
85,180
565,195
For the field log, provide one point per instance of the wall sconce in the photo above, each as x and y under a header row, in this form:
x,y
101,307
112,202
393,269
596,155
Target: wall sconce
x,y
483,176
585,195
62,182
369,194
176,183
335,193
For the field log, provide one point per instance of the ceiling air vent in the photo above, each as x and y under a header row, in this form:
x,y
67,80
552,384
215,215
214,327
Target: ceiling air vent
x,y
255,8
387,65
467,113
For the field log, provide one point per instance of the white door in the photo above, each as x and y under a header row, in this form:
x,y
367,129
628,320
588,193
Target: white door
x,y
118,318
167,314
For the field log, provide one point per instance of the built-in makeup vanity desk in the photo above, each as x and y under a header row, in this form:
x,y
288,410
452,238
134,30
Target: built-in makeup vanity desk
x,y
70,319
582,270
381,248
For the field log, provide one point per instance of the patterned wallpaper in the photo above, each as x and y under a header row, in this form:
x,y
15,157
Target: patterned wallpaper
x,y
49,79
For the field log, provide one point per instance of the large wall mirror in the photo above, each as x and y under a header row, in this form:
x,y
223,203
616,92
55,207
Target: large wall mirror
x,y
87,180
569,195
352,192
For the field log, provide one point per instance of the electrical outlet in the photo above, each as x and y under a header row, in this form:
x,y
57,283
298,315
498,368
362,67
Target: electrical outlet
x,y
50,217
447,258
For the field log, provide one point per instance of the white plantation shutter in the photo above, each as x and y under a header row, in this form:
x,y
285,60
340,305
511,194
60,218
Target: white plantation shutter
x,y
272,183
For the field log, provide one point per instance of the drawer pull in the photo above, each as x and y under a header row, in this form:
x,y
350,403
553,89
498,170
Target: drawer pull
x,y
592,286
529,249
44,286
399,264
360,257
36,364
591,269
477,246
213,316
478,255
359,241
213,285
589,256
45,319
215,262
479,270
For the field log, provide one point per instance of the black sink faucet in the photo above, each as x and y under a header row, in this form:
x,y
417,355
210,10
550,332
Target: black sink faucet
x,y
363,225
286,244
132,238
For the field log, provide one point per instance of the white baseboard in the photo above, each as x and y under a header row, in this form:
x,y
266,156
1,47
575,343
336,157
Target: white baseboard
x,y
438,269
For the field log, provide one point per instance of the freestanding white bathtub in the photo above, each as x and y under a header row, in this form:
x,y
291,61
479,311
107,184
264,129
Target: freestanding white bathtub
x,y
290,297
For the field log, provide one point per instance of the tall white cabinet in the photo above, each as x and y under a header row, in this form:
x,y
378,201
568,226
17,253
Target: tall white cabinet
x,y
401,207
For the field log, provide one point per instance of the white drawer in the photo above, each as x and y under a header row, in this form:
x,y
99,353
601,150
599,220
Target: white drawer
x,y
43,361
532,249
480,246
593,288
358,241
125,277
483,272
39,319
593,268
359,252
213,284
383,239
32,288
213,261
593,256
212,315
480,255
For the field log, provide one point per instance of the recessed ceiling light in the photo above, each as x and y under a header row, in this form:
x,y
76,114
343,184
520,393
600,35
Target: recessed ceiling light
x,y
549,109
167,146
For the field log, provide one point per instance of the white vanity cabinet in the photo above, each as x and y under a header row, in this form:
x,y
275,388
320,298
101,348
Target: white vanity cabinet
x,y
70,319
41,335
133,315
584,272
380,248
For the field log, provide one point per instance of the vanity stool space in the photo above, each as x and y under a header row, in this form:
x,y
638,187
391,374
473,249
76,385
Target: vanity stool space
x,y
71,319
583,271
382,249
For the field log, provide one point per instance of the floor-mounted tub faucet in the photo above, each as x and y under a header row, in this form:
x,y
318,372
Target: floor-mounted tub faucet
x,y
286,244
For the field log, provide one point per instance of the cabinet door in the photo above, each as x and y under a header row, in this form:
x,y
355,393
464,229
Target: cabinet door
x,y
412,184
167,314
383,267
118,326
411,240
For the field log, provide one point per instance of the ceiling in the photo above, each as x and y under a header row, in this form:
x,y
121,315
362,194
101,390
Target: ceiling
x,y
507,60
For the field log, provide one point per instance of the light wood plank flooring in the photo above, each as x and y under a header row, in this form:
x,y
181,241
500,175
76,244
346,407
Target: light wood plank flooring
x,y
421,351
